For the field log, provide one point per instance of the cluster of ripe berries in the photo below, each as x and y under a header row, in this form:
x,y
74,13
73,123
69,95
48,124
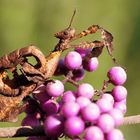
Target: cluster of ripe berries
x,y
76,114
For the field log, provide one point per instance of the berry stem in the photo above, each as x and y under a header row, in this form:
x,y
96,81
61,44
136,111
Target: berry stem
x,y
68,77
105,85
73,82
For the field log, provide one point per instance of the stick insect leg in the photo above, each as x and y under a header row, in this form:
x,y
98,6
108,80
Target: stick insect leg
x,y
92,29
7,88
29,69
87,45
10,106
105,35
32,74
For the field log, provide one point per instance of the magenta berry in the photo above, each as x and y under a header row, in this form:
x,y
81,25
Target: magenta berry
x,y
83,101
74,126
53,125
61,68
121,106
40,94
30,120
82,51
117,116
115,134
50,107
86,90
106,123
119,93
73,60
70,109
117,75
91,112
93,133
40,89
31,107
55,88
78,74
108,97
104,105
92,64
68,96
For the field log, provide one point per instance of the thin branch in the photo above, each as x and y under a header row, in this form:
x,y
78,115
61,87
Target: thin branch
x,y
24,131
68,78
132,120
21,131
73,82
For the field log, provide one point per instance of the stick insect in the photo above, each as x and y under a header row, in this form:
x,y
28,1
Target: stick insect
x,y
15,90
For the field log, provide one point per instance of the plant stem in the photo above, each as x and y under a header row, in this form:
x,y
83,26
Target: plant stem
x,y
25,131
135,119
21,131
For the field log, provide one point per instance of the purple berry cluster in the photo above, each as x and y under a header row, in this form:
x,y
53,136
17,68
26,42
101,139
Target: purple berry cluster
x,y
85,113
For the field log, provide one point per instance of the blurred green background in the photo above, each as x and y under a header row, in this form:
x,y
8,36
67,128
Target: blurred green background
x,y
25,22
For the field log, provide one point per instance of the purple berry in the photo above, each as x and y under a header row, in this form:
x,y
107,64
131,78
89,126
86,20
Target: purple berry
x,y
61,68
42,97
121,106
86,90
70,109
117,116
68,96
30,120
117,75
83,51
50,107
119,93
106,123
123,101
82,101
93,133
31,106
108,97
74,126
73,60
55,88
115,134
104,105
91,112
41,94
53,125
78,74
91,65
40,89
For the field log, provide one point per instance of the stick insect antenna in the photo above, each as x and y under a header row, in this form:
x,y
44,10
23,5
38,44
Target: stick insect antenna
x,y
72,18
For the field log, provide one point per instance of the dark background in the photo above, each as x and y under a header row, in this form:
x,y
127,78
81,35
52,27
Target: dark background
x,y
25,22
